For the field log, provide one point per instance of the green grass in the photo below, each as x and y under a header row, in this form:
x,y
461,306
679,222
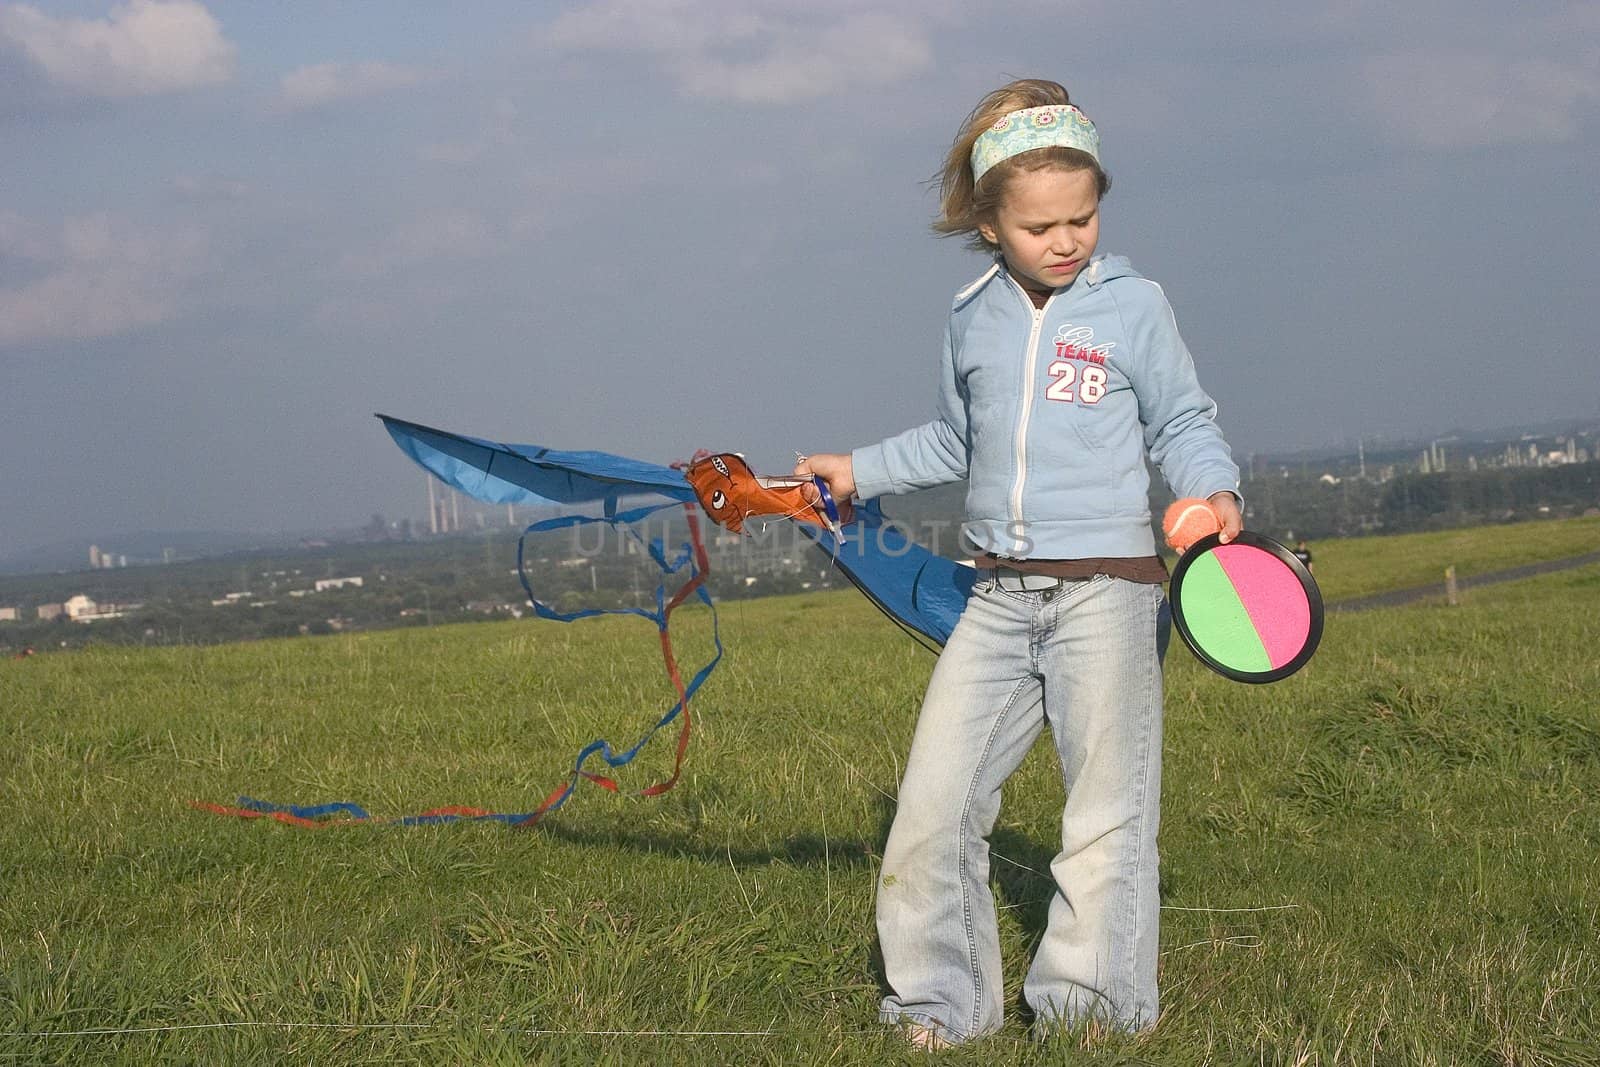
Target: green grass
x,y
1360,566
1415,812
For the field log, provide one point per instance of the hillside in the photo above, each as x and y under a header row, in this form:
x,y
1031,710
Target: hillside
x,y
1391,852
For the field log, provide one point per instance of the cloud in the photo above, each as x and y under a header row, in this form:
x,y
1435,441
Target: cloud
x,y
498,131
1537,84
209,187
1464,99
763,53
443,236
141,48
321,84
100,277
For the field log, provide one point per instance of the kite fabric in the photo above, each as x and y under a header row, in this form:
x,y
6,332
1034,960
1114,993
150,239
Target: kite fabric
x,y
916,588
529,474
920,591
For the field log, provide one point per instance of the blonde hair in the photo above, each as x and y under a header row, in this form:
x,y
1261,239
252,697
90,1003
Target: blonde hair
x,y
965,204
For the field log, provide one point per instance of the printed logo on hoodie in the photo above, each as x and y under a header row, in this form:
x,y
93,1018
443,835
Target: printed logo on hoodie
x,y
1078,371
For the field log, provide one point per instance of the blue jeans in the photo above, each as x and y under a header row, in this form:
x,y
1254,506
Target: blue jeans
x,y
1085,658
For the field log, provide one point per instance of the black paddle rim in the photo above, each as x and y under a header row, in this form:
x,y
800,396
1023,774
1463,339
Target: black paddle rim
x,y
1308,585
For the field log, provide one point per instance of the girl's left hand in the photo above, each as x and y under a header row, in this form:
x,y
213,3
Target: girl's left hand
x,y
1226,506
835,468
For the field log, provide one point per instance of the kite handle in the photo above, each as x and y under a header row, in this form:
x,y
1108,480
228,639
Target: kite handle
x,y
827,499
828,506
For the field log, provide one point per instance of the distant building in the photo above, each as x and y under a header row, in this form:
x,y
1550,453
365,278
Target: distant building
x,y
50,611
491,607
8,614
81,609
324,584
99,560
106,611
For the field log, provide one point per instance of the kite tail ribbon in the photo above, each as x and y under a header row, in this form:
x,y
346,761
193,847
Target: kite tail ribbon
x,y
693,556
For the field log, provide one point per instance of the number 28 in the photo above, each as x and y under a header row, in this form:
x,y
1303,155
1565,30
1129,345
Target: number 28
x,y
1091,382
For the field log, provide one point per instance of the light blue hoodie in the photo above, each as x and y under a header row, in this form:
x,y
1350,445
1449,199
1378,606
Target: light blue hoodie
x,y
1049,412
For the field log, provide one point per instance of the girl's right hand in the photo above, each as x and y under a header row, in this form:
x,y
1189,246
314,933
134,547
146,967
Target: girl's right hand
x,y
834,468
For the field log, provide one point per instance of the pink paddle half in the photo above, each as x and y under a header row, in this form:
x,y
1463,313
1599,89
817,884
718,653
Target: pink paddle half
x,y
1273,597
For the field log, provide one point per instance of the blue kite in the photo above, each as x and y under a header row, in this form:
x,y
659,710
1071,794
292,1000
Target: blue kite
x,y
922,592
916,588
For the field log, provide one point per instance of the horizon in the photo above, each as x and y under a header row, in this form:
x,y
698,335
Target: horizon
x,y
258,542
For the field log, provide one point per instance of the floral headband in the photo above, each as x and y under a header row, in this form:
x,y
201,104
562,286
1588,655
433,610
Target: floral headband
x,y
1051,126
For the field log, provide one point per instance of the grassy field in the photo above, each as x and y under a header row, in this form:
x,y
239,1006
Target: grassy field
x,y
1387,859
1360,566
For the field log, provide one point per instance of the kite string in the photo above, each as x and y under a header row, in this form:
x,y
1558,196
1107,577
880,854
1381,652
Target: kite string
x,y
243,1024
1234,941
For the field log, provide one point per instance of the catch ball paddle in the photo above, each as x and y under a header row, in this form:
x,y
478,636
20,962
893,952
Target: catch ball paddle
x,y
1247,609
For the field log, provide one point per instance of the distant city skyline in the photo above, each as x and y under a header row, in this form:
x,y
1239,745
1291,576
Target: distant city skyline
x,y
1375,459
229,232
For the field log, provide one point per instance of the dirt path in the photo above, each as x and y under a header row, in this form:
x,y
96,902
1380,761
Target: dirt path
x,y
1396,597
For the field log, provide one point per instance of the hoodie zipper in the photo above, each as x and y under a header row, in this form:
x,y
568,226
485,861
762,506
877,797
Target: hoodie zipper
x,y
1020,443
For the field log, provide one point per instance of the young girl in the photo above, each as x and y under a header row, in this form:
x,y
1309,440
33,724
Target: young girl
x,y
1061,368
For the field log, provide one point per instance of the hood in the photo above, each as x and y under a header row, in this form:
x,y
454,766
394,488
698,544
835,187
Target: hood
x,y
1102,268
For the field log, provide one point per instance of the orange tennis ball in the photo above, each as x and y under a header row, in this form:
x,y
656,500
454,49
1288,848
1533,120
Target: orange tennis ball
x,y
1188,520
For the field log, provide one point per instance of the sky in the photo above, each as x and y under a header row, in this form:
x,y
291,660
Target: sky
x,y
231,231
